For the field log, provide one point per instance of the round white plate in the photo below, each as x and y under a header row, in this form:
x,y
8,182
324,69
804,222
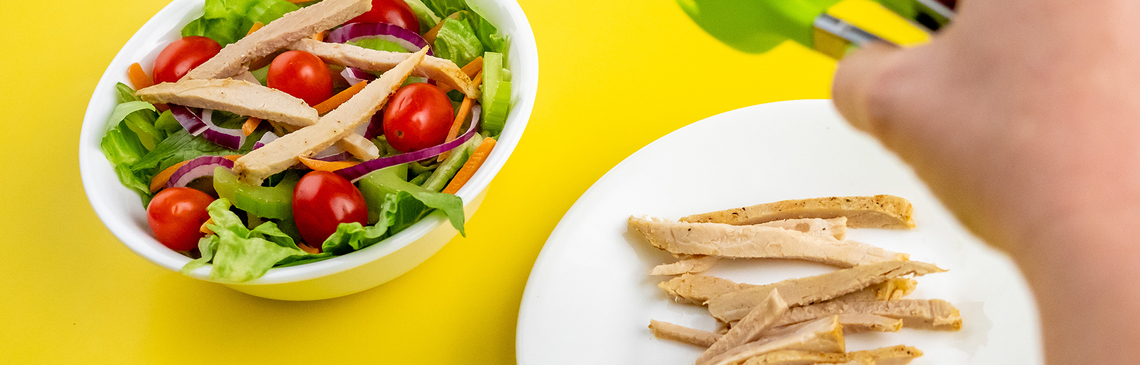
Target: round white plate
x,y
590,298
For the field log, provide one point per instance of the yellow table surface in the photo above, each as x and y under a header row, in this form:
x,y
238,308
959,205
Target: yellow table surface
x,y
615,75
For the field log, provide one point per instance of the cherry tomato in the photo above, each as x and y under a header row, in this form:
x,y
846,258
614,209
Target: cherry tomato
x,y
418,116
302,75
395,12
183,55
176,216
321,201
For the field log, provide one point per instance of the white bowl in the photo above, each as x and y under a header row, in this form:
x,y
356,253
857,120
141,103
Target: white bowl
x,y
123,213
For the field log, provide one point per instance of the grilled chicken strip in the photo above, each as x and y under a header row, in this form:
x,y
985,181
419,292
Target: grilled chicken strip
x,y
735,305
821,335
895,355
698,289
691,265
833,227
933,314
749,329
348,55
279,33
336,125
714,239
684,334
795,357
879,211
235,96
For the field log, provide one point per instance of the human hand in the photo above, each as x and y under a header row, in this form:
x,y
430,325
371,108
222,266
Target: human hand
x,y
1024,118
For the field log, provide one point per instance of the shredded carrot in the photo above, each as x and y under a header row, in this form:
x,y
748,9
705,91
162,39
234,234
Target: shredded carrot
x,y
159,181
472,69
318,165
138,77
254,28
430,35
459,119
203,228
250,125
307,248
473,163
319,37
338,99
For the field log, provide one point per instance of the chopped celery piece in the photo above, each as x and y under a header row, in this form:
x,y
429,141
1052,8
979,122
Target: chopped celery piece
x,y
269,202
446,170
496,113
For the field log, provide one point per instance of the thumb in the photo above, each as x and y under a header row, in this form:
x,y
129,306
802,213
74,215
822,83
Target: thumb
x,y
866,89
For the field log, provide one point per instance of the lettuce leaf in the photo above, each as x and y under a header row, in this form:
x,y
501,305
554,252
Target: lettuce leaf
x,y
446,7
178,147
394,201
456,41
379,44
123,149
487,33
123,146
227,21
239,254
427,18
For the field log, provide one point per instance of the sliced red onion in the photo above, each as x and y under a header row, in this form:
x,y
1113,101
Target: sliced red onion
x,y
265,139
196,168
375,127
333,153
355,76
356,172
406,38
204,125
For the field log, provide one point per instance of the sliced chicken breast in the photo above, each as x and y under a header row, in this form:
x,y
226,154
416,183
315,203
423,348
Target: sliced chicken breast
x,y
683,334
334,126
879,211
291,27
234,96
715,239
698,289
755,324
821,335
814,289
932,314
691,265
438,69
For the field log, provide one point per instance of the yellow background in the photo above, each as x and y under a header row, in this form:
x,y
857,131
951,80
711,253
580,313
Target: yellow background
x,y
615,75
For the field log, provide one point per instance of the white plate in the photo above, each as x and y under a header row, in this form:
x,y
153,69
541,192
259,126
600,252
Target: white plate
x,y
590,298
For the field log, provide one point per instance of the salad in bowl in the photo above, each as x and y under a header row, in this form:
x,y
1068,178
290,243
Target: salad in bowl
x,y
279,146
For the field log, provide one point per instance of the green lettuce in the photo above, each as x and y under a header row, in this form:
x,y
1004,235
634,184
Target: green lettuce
x,y
239,254
123,146
427,18
393,200
487,33
379,44
178,147
446,7
456,41
227,21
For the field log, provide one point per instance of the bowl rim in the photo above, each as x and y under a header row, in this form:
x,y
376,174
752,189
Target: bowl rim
x,y
522,56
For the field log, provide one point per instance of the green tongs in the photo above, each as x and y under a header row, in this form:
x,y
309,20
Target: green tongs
x,y
757,26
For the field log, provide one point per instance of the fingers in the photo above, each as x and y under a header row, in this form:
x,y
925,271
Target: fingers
x,y
864,92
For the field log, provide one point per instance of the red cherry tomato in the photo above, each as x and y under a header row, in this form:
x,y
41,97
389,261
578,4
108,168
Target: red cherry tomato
x,y
395,12
176,216
183,55
418,116
302,75
321,201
